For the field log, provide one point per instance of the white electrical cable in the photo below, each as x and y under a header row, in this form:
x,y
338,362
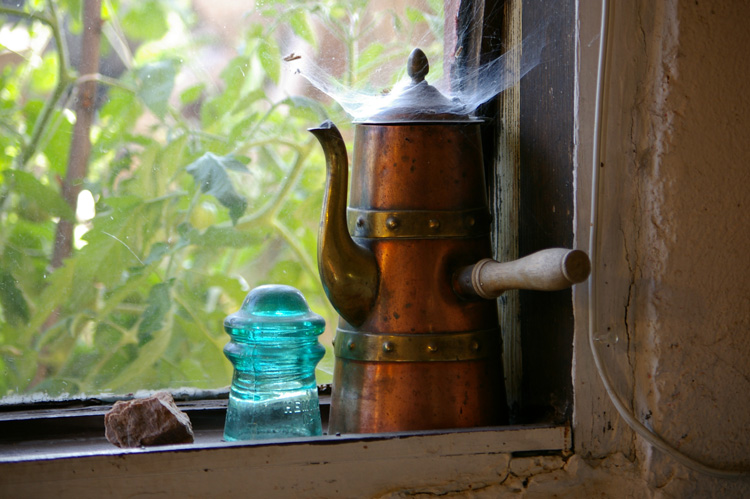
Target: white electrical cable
x,y
621,407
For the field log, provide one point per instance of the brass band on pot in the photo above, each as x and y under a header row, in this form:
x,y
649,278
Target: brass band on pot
x,y
418,224
420,347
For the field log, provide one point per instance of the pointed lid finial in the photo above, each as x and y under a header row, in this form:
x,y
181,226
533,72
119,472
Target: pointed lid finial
x,y
418,101
417,66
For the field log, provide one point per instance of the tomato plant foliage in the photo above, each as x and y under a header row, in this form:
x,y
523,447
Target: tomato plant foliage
x,y
201,184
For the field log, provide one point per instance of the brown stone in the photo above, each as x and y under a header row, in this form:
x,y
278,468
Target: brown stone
x,y
154,420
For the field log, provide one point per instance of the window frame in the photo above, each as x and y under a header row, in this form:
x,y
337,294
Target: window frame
x,y
73,458
530,153
552,386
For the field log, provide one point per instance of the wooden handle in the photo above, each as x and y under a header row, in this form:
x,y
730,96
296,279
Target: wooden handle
x,y
547,270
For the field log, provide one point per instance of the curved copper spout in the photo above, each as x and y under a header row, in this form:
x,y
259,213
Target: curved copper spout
x,y
348,271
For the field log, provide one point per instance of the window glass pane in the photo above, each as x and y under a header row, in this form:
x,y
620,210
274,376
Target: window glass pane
x,y
202,181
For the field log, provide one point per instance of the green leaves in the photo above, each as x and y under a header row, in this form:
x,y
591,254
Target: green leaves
x,y
159,304
155,84
145,20
370,57
148,355
301,27
14,306
270,59
44,77
210,173
306,108
57,148
234,76
141,301
43,196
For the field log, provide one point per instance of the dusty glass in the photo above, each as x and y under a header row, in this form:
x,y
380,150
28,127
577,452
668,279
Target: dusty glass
x,y
147,185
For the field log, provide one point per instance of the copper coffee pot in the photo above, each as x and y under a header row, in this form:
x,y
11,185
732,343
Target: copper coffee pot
x,y
407,267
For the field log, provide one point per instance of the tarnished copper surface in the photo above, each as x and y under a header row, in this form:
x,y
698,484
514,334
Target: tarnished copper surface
x,y
413,177
370,397
415,293
434,168
417,167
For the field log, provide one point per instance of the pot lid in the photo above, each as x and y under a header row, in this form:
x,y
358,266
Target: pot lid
x,y
418,101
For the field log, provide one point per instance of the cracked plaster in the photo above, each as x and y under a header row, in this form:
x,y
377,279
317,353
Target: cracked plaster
x,y
545,477
673,269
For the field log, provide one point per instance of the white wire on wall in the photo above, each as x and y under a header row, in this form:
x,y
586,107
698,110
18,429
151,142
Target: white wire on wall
x,y
596,174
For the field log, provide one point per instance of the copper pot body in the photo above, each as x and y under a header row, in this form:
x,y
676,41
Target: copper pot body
x,y
424,358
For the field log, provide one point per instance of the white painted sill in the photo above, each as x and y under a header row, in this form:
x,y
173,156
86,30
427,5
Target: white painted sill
x,y
71,461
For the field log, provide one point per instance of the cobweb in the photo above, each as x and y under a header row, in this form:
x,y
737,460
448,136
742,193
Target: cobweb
x,y
365,71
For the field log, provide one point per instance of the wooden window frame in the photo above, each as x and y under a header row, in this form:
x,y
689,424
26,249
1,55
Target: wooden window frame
x,y
533,137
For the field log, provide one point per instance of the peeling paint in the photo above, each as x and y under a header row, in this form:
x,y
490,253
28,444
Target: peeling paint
x,y
548,476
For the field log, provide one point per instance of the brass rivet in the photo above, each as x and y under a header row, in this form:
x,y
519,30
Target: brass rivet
x,y
432,348
351,345
434,223
360,222
388,346
475,345
392,223
470,221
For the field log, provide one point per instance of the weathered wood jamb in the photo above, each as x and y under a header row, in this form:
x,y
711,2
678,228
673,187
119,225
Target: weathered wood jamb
x,y
505,207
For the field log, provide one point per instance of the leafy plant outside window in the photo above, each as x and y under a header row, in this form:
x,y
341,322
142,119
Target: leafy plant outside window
x,y
199,185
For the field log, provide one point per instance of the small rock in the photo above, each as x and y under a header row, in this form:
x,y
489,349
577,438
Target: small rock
x,y
154,420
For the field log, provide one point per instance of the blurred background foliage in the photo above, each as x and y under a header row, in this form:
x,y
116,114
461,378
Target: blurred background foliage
x,y
202,182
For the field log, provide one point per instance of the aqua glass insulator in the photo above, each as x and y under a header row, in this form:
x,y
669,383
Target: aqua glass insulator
x,y
274,350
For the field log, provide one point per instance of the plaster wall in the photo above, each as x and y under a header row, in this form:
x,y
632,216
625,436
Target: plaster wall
x,y
673,266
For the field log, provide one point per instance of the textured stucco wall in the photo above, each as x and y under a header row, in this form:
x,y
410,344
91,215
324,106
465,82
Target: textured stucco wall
x,y
674,269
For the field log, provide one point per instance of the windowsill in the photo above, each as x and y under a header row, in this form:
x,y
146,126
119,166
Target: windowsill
x,y
79,432
48,451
